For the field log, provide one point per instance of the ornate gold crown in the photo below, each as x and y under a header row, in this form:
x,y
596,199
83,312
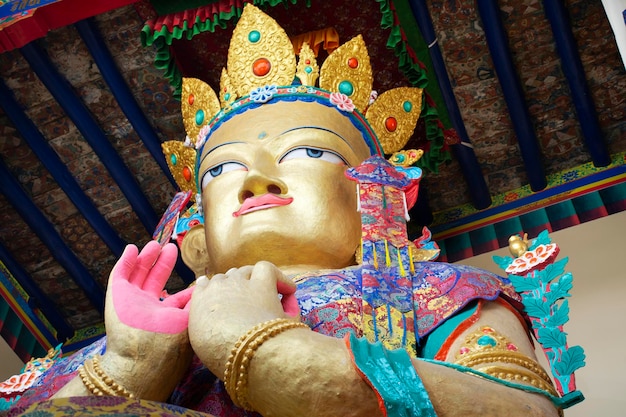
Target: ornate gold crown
x,y
262,67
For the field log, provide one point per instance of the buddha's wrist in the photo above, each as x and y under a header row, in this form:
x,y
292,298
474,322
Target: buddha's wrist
x,y
149,377
106,377
129,373
238,363
98,382
314,372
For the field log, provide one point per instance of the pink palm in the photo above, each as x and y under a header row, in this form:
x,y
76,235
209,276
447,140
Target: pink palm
x,y
136,284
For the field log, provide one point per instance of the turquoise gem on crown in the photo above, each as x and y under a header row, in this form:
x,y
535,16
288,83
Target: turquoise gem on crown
x,y
346,87
254,36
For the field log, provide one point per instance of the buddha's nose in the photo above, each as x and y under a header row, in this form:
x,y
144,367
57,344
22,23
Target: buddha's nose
x,y
257,183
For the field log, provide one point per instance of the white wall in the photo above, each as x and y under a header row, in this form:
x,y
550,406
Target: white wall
x,y
10,363
597,309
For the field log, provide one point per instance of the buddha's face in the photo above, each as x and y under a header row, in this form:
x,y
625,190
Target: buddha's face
x,y
273,188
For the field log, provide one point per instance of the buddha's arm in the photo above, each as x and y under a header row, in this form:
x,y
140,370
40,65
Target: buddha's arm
x,y
296,372
300,372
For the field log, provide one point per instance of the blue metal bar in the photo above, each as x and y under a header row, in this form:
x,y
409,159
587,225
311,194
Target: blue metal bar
x,y
88,31
59,171
38,300
464,152
14,193
575,74
84,121
513,93
101,55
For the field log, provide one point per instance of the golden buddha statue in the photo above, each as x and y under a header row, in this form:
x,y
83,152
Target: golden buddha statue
x,y
283,320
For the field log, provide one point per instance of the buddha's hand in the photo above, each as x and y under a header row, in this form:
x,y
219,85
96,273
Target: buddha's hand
x,y
228,305
148,346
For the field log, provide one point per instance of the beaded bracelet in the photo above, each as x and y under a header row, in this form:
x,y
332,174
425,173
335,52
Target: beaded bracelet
x,y
236,372
98,382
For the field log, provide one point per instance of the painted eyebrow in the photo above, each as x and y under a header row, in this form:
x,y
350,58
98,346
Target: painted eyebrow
x,y
281,134
316,128
216,147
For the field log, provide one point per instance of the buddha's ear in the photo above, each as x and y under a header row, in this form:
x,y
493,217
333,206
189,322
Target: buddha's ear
x,y
194,252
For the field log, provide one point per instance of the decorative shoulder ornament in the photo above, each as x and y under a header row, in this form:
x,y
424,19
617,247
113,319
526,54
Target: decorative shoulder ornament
x,y
13,388
545,286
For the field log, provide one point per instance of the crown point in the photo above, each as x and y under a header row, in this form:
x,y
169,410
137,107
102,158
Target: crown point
x,y
339,66
181,160
254,36
391,124
401,104
346,87
268,61
261,67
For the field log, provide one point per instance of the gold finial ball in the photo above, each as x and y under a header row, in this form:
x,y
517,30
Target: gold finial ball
x,y
517,246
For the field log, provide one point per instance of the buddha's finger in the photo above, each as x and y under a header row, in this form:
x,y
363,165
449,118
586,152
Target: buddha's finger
x,y
180,299
240,273
147,257
266,271
126,264
161,270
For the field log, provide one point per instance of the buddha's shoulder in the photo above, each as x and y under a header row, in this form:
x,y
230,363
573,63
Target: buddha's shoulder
x,y
439,279
428,279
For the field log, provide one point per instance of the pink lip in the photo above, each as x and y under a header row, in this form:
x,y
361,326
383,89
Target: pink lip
x,y
262,202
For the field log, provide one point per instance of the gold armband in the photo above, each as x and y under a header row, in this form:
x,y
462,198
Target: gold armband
x,y
489,348
236,372
98,382
520,375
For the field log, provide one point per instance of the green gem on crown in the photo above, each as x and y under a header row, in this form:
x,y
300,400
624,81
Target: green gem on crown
x,y
254,36
346,87
199,117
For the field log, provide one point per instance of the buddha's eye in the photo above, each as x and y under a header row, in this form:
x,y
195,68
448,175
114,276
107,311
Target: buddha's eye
x,y
315,153
217,170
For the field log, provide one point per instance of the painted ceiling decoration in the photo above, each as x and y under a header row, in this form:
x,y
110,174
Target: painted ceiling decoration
x,y
524,128
23,21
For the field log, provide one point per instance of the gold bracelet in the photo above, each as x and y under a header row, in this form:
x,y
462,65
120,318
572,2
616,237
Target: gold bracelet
x,y
88,380
98,382
236,372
